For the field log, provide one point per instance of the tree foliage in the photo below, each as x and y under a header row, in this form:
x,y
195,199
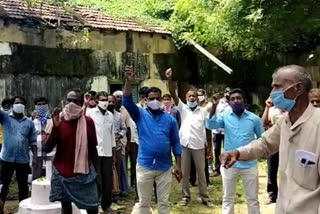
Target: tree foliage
x,y
247,28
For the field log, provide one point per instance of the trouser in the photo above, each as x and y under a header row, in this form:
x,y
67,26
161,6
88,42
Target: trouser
x,y
250,181
145,180
193,171
217,151
132,155
8,169
123,176
206,167
273,165
121,170
199,161
37,170
104,181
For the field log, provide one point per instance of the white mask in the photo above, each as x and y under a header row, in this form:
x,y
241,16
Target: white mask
x,y
103,104
201,98
154,104
18,108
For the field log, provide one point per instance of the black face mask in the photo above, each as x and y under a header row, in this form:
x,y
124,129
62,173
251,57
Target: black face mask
x,y
111,107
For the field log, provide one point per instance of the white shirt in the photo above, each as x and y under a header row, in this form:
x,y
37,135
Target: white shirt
x,y
193,130
105,131
274,114
222,107
134,133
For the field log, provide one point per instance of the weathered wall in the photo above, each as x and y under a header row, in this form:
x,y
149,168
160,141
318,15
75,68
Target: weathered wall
x,y
47,62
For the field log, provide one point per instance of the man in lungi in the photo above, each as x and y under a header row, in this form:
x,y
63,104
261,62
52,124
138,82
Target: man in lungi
x,y
74,175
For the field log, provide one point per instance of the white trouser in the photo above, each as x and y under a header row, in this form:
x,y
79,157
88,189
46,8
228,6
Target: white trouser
x,y
251,183
145,180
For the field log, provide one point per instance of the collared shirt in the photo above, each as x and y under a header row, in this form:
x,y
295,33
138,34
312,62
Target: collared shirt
x,y
18,135
104,125
120,129
222,107
193,127
239,131
299,187
40,133
158,135
173,111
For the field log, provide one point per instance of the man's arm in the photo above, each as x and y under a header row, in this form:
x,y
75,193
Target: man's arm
x,y
33,144
263,147
92,144
52,130
265,115
176,147
209,143
127,101
215,122
172,87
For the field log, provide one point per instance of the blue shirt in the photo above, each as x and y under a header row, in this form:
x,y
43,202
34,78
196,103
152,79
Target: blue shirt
x,y
158,134
239,131
18,136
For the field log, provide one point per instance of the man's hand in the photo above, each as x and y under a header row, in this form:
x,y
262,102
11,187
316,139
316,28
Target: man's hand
x,y
56,117
34,115
269,103
129,74
177,173
169,74
86,98
228,159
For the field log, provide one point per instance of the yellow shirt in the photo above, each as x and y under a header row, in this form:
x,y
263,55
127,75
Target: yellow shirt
x,y
299,187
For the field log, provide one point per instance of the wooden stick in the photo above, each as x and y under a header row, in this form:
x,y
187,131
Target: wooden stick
x,y
210,56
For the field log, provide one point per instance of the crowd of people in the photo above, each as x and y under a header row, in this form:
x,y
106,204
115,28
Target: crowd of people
x,y
94,136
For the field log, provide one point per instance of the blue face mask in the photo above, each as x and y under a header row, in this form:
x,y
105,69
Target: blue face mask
x,y
281,102
237,107
192,104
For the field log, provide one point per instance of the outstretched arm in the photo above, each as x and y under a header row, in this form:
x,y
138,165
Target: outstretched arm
x,y
171,85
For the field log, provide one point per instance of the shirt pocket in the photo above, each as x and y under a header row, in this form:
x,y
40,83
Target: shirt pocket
x,y
307,176
24,130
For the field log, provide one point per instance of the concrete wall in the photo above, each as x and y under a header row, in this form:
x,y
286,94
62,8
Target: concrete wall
x,y
36,61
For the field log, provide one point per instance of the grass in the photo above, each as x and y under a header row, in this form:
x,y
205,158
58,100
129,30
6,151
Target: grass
x,y
194,207
215,193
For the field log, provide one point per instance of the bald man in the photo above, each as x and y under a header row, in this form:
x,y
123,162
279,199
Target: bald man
x,y
296,137
194,136
314,97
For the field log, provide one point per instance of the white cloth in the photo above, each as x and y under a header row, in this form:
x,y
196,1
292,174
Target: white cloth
x,y
193,128
250,181
145,180
134,133
274,114
104,130
222,107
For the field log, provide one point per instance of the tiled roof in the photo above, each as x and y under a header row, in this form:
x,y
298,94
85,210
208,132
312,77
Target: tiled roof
x,y
96,19
79,16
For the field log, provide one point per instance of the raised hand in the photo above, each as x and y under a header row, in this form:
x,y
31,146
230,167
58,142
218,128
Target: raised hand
x,y
169,74
56,117
129,74
269,102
